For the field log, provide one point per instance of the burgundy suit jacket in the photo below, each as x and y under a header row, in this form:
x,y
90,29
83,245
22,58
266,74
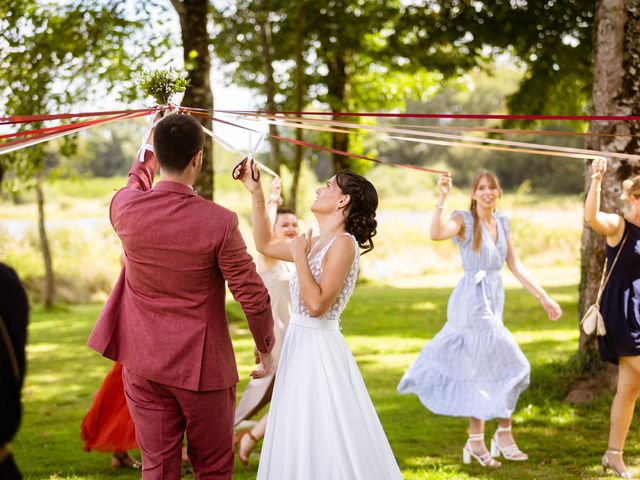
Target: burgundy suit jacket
x,y
165,318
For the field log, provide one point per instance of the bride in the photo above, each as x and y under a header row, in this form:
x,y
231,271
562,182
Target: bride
x,y
322,424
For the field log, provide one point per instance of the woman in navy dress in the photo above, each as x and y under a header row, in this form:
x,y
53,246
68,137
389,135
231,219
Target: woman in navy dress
x,y
620,307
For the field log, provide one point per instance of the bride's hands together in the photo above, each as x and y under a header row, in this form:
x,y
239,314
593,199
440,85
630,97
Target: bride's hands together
x,y
301,245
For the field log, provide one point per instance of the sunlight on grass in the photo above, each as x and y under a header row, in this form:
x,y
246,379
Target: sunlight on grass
x,y
385,328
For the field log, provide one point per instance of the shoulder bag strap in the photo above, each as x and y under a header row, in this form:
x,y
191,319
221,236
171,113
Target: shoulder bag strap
x,y
615,260
4,333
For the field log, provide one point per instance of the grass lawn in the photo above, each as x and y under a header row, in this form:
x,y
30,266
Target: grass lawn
x,y
385,328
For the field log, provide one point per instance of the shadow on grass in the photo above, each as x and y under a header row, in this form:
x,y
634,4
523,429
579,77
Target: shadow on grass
x,y
385,328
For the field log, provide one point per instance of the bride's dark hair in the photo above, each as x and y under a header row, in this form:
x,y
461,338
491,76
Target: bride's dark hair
x,y
360,214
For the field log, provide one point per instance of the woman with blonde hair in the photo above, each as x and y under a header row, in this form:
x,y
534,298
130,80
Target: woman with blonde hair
x,y
619,306
473,367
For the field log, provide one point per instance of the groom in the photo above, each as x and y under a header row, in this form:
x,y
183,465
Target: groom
x,y
165,319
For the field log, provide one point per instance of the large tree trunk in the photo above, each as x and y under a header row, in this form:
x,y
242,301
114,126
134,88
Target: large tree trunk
x,y
270,83
337,86
49,281
616,91
194,15
299,102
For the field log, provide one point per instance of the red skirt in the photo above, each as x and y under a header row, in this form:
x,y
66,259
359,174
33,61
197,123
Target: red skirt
x,y
107,426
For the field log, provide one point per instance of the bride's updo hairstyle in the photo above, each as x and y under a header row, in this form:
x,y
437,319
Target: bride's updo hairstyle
x,y
360,214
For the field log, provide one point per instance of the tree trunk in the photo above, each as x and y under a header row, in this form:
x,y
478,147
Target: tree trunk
x,y
194,15
299,101
49,281
270,83
616,91
337,86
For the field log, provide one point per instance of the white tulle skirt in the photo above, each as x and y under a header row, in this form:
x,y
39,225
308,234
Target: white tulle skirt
x,y
322,424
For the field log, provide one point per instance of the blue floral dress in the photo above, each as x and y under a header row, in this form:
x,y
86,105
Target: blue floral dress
x,y
473,367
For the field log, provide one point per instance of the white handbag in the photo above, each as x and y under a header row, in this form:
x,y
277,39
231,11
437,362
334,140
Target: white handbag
x,y
592,320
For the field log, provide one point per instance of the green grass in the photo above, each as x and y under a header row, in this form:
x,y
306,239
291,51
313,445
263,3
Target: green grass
x,y
385,328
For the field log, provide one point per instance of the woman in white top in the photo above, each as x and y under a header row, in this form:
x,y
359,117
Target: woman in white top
x,y
276,275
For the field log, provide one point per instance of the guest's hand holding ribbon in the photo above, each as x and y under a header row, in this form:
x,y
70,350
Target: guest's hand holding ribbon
x,y
598,167
444,187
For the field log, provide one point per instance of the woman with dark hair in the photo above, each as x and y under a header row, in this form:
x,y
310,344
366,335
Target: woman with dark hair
x,y
322,423
619,306
473,367
276,275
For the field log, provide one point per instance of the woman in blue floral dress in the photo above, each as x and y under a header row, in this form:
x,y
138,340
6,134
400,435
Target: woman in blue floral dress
x,y
473,367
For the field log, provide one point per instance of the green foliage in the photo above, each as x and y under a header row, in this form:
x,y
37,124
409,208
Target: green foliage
x,y
163,84
377,55
552,40
43,70
482,91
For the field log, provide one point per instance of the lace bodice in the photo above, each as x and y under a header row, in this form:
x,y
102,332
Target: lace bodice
x,y
315,263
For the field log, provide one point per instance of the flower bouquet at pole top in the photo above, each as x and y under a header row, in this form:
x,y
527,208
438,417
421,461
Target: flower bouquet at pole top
x,y
162,85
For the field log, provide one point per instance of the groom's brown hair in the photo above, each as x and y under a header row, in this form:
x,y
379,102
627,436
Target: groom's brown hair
x,y
176,140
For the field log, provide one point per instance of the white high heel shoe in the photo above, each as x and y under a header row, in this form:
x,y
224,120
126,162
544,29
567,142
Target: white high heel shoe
x,y
484,460
606,465
510,452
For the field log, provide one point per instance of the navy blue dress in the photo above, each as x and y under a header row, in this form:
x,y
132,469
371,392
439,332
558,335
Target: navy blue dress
x,y
620,304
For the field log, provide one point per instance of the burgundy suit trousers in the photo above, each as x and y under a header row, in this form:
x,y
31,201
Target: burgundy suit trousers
x,y
162,414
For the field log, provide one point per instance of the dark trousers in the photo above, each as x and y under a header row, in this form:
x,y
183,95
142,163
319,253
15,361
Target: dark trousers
x,y
9,469
162,415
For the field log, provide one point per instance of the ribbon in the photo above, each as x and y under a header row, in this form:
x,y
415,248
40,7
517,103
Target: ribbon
x,y
458,140
61,132
8,120
479,278
339,152
583,118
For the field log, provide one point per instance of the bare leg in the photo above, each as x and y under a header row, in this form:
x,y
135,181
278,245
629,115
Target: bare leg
x,y
248,441
124,459
622,409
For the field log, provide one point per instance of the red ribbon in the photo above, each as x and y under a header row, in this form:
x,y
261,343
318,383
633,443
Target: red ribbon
x,y
329,149
9,120
52,131
72,126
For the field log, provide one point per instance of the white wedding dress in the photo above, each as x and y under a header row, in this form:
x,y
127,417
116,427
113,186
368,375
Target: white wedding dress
x,y
322,424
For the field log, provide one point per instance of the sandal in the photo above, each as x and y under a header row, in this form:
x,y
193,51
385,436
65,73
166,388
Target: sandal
x,y
606,464
124,460
245,459
484,459
510,452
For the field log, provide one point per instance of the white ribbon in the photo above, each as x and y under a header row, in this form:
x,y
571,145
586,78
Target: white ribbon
x,y
228,146
479,278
